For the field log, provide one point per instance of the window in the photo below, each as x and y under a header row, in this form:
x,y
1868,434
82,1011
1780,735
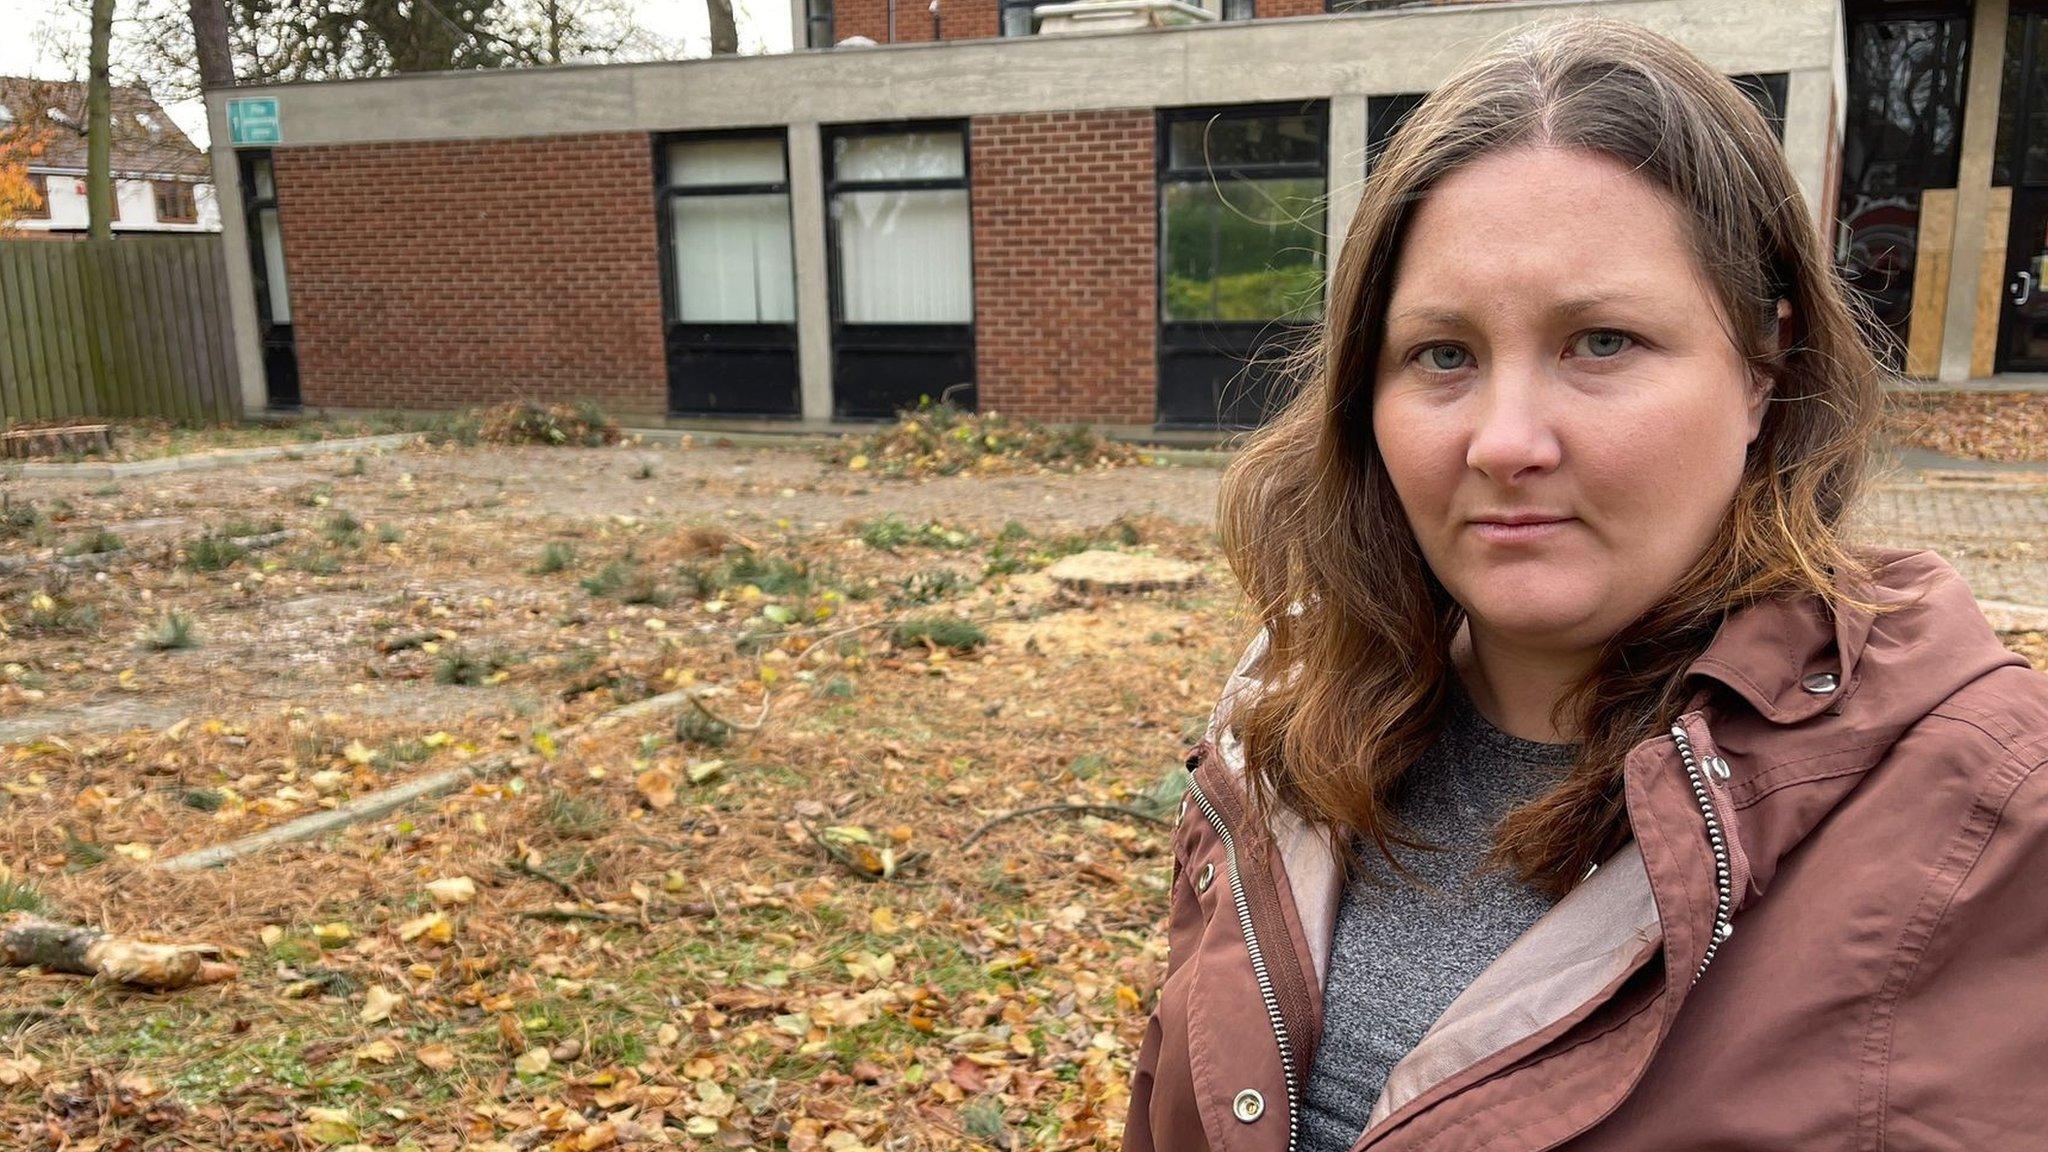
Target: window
x,y
1239,9
1241,216
271,290
1902,136
6,114
39,184
1019,18
899,213
2021,154
818,23
1767,91
1383,116
729,232
175,202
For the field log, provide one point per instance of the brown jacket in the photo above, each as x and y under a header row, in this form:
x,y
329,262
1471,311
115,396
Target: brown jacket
x,y
1830,930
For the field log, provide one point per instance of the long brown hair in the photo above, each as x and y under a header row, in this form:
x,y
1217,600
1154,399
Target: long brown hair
x,y
1317,537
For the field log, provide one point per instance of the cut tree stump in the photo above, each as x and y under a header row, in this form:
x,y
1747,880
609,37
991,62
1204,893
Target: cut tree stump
x,y
27,940
1122,572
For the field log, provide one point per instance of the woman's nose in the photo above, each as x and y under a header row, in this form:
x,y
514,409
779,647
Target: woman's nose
x,y
1513,436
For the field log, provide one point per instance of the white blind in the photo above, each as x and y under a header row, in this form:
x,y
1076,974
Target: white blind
x,y
733,259
904,257
899,156
697,163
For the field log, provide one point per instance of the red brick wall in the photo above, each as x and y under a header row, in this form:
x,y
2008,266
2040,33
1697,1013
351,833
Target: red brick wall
x,y
1065,265
958,20
450,273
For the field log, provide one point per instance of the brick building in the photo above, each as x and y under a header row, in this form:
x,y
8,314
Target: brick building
x,y
1119,213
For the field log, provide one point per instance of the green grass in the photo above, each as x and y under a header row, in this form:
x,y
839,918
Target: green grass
x,y
213,551
555,556
93,542
948,632
172,631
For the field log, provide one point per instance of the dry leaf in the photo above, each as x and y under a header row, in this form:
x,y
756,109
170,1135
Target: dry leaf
x,y
378,1003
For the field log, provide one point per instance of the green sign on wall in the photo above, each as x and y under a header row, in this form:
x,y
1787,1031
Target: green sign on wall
x,y
253,120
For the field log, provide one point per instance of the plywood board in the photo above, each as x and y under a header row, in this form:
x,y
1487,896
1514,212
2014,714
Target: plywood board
x,y
1932,259
1990,283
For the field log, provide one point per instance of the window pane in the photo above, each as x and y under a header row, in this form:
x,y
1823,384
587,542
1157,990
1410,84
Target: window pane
x,y
265,187
732,256
273,267
1017,20
697,163
1244,250
899,156
903,257
1905,104
1219,141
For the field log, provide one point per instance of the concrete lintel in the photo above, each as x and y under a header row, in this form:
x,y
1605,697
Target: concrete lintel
x,y
1306,57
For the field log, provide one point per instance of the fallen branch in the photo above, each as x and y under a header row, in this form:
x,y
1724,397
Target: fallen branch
x,y
30,941
1108,811
766,700
525,869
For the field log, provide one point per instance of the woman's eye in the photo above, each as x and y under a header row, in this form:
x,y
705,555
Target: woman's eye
x,y
1444,357
1603,344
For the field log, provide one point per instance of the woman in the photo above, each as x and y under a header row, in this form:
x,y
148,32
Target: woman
x,y
1609,798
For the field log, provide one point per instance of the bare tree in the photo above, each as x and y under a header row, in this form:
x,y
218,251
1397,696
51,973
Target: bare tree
x,y
725,33
99,179
210,37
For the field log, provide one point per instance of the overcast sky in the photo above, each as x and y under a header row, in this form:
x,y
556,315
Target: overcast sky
x,y
28,27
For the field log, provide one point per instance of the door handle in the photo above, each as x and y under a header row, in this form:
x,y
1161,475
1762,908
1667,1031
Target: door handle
x,y
2026,289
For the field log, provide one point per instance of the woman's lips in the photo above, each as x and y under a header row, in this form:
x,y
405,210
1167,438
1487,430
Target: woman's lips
x,y
1497,532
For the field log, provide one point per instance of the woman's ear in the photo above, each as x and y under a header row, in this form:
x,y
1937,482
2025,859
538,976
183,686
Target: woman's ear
x,y
1764,380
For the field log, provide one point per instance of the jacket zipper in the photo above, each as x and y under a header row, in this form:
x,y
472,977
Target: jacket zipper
x,y
1258,957
1724,885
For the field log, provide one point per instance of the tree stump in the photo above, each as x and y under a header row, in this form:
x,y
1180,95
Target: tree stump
x,y
1122,572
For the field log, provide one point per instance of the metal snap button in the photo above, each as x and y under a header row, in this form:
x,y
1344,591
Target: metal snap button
x,y
1205,877
1820,683
1718,767
1248,1106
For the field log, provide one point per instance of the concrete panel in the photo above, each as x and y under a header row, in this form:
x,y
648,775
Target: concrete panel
x,y
1240,61
1808,115
1346,180
813,271
247,351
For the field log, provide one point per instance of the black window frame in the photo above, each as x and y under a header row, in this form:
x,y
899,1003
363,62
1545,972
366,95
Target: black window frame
x,y
908,337
2015,103
814,18
40,182
280,344
1003,10
183,188
1181,339
690,342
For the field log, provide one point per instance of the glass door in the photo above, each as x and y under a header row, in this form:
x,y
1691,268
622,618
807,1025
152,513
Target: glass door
x,y
1241,235
729,275
902,268
2021,161
273,294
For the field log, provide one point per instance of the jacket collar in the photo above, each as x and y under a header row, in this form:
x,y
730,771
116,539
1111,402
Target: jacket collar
x,y
1788,656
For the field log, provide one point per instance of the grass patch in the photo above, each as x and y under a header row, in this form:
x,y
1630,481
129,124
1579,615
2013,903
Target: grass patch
x,y
948,632
172,631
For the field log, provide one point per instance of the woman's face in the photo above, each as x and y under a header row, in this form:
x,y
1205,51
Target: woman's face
x,y
1554,353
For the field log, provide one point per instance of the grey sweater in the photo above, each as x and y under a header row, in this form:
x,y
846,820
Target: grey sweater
x,y
1402,953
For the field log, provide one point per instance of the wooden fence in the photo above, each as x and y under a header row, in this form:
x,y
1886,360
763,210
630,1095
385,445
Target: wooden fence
x,y
129,327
